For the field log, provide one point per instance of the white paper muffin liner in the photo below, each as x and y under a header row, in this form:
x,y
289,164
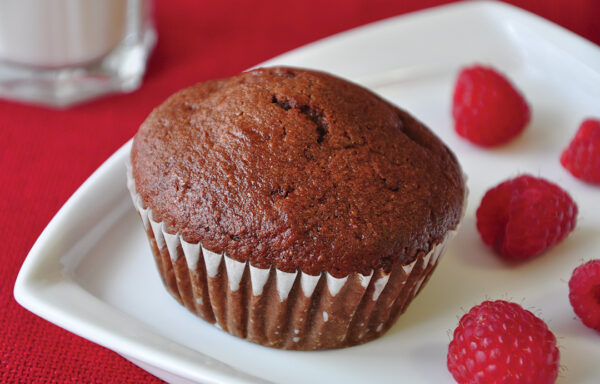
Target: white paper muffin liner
x,y
281,309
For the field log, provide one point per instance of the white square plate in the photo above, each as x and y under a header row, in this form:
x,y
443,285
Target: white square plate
x,y
91,271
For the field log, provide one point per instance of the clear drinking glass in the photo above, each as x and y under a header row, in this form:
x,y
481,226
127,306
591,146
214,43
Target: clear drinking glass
x,y
62,52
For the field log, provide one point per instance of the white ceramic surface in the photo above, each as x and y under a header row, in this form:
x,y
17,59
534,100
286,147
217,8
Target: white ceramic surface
x,y
92,273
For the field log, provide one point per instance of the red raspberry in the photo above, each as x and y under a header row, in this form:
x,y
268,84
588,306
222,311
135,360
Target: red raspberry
x,y
584,293
487,109
582,156
500,342
524,216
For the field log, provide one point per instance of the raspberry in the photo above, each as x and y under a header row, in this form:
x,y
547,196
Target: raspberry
x,y
500,342
524,216
582,156
584,293
486,107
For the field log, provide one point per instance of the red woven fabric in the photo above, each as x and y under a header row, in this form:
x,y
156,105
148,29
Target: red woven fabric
x,y
45,154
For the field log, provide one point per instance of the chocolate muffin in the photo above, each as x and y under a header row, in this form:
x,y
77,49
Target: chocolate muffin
x,y
293,208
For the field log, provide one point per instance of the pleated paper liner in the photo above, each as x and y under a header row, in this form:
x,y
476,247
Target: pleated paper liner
x,y
281,309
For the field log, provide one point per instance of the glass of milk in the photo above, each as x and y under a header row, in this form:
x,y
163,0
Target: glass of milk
x,y
62,52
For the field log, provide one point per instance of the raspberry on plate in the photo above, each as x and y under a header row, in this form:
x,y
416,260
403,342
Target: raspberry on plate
x,y
522,217
582,156
500,342
584,293
487,109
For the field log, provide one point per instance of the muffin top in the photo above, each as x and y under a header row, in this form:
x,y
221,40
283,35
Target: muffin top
x,y
297,169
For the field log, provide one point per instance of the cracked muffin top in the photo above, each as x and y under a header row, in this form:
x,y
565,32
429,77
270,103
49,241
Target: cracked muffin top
x,y
297,169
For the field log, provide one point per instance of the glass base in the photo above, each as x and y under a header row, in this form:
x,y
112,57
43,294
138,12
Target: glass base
x,y
119,71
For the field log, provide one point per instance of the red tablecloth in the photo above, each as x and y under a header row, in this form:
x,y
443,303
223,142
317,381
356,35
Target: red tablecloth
x,y
46,154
